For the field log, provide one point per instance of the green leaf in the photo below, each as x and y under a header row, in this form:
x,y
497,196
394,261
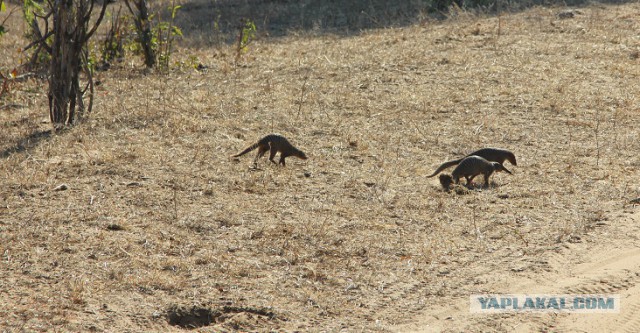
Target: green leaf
x,y
177,31
30,7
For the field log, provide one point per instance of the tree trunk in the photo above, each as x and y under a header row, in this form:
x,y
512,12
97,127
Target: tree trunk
x,y
70,26
143,26
62,64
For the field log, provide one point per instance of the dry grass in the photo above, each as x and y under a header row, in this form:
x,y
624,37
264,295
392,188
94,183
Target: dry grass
x,y
156,214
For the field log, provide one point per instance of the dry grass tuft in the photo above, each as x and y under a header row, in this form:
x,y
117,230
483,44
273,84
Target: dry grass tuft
x,y
157,215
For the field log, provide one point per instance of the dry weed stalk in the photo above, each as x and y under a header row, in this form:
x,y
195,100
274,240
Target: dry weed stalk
x,y
303,90
597,137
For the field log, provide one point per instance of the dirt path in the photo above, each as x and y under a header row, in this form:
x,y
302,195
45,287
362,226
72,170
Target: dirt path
x,y
608,265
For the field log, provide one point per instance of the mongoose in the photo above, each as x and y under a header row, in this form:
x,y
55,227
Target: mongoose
x,y
274,143
445,181
489,154
470,167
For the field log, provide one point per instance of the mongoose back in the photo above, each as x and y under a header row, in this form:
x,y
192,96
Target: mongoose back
x,y
489,154
274,143
472,166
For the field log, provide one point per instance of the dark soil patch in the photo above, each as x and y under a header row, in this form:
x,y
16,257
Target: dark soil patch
x,y
199,316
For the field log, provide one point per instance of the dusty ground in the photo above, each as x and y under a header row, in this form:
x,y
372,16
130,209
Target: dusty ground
x,y
609,264
157,217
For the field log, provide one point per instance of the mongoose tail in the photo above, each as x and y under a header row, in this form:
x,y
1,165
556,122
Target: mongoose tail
x,y
444,166
250,148
472,166
490,154
274,143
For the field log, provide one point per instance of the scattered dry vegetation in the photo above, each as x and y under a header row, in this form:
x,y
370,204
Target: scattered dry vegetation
x,y
156,216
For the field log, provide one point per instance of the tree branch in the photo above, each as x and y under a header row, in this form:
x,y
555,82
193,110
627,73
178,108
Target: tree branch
x,y
102,12
42,42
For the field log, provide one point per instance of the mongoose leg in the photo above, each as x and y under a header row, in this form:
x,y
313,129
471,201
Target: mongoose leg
x,y
470,180
486,181
261,152
282,157
273,154
255,160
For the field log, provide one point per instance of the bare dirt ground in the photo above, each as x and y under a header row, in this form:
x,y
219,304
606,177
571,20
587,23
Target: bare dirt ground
x,y
156,217
609,266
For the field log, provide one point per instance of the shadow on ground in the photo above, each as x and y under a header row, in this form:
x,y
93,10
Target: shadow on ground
x,y
219,21
28,142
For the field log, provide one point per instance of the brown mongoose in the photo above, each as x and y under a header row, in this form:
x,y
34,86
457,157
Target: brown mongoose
x,y
274,143
489,154
472,166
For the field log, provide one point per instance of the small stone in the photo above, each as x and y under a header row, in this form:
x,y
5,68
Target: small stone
x,y
61,187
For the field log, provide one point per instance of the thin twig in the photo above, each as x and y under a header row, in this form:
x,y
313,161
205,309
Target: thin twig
x,y
597,136
302,91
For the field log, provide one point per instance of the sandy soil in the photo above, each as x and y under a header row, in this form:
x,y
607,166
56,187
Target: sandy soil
x,y
609,264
